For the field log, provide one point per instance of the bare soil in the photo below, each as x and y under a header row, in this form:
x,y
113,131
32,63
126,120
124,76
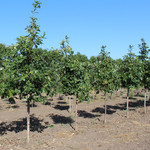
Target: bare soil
x,y
52,126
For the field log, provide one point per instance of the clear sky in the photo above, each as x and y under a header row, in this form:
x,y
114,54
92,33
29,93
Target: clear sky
x,y
88,23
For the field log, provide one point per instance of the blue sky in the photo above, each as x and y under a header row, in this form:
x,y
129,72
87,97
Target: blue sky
x,y
88,23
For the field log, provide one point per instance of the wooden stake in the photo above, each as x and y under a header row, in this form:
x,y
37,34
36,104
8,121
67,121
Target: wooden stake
x,y
145,102
127,102
105,110
76,127
69,98
28,121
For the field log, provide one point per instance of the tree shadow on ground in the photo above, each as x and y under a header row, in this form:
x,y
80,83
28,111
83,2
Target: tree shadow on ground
x,y
16,97
82,113
61,102
33,105
61,107
102,110
139,103
139,95
12,106
135,104
21,125
117,107
50,99
122,106
47,103
58,119
11,100
131,98
60,98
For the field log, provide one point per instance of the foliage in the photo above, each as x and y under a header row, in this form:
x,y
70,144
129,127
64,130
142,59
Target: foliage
x,y
131,70
93,69
6,76
53,71
105,71
75,79
28,62
144,51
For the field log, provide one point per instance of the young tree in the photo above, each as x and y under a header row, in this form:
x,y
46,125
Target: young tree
x,y
50,61
6,76
28,69
75,79
105,75
2,68
132,71
66,73
79,79
116,74
55,58
93,72
144,51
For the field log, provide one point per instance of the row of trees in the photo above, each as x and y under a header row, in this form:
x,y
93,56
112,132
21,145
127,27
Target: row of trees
x,y
29,71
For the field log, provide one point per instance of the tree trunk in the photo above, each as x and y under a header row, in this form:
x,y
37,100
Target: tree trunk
x,y
32,103
76,126
145,102
105,110
69,98
93,94
128,101
28,121
99,95
20,96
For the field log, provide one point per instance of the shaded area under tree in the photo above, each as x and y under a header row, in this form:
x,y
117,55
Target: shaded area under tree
x,y
21,125
83,113
102,110
58,119
61,107
122,106
61,102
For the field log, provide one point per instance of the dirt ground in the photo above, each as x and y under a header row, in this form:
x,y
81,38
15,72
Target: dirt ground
x,y
52,126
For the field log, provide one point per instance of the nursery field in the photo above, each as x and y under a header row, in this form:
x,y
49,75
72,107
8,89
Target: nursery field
x,y
52,126
35,116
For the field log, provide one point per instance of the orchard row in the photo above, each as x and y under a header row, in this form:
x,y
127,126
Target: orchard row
x,y
29,71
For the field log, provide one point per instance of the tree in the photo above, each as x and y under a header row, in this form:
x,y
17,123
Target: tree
x,y
84,79
131,72
6,75
75,79
105,75
93,72
54,71
66,73
117,74
144,51
2,67
28,69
